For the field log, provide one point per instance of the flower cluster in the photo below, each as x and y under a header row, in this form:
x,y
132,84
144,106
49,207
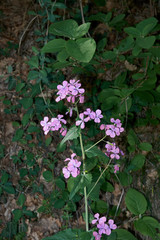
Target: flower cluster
x,y
114,129
89,115
54,125
70,90
72,167
103,227
113,151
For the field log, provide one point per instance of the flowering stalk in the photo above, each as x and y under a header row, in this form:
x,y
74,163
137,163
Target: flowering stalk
x,y
85,189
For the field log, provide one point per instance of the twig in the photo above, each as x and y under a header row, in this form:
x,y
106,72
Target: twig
x,y
21,38
82,14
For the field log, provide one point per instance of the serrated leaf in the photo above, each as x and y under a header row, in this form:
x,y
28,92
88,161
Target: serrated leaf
x,y
71,134
55,45
135,202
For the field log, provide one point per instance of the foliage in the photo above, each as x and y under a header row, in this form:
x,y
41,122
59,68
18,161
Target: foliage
x,y
133,95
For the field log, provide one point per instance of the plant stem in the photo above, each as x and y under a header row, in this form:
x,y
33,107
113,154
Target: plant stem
x,y
85,189
99,178
95,144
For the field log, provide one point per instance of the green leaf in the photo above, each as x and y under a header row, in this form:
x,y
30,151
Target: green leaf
x,y
147,226
135,202
124,235
132,31
137,162
117,19
107,187
33,75
4,178
99,206
71,134
89,165
63,235
145,146
19,87
156,110
26,102
59,203
18,135
55,45
8,188
126,44
77,183
48,176
109,55
82,49
34,62
17,214
125,178
69,28
93,152
25,119
82,30
146,42
60,183
21,199
62,55
147,25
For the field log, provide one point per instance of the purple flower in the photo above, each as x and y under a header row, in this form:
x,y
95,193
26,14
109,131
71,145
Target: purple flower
x,y
60,118
72,168
116,168
111,224
110,131
89,113
82,121
97,236
97,116
107,230
55,124
66,172
70,112
96,218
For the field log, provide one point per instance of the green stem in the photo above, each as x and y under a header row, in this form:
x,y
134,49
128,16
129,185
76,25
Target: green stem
x,y
85,189
99,178
95,144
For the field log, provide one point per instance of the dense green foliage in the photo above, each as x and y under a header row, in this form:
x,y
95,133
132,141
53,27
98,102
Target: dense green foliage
x,y
131,92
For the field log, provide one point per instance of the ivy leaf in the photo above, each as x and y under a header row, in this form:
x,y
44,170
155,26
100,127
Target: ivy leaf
x,y
135,202
21,199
